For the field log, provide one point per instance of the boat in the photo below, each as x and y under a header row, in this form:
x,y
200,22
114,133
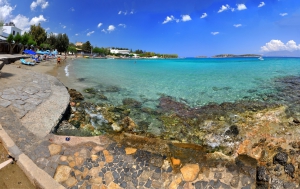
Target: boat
x,y
260,58
86,57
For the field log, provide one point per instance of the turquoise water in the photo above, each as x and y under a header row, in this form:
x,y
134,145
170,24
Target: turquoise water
x,y
195,82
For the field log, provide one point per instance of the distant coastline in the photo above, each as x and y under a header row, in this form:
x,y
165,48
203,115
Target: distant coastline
x,y
235,56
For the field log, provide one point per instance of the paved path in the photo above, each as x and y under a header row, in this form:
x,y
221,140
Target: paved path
x,y
31,104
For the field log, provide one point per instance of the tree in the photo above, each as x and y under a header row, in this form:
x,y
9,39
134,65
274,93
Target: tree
x,y
72,49
13,41
51,40
24,41
62,42
38,34
87,47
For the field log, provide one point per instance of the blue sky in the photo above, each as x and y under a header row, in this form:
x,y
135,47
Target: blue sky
x,y
184,27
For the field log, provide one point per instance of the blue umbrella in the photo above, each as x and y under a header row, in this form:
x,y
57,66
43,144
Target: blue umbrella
x,y
29,52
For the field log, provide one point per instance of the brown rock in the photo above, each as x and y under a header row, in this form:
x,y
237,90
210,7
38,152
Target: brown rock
x,y
71,182
94,157
108,157
175,162
76,154
128,123
70,158
190,172
97,180
62,173
54,149
79,160
72,164
96,186
108,177
113,186
175,183
130,150
85,172
94,172
63,158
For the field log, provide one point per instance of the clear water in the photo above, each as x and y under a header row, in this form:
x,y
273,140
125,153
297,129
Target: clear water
x,y
194,81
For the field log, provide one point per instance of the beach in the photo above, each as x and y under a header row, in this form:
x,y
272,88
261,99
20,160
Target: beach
x,y
257,139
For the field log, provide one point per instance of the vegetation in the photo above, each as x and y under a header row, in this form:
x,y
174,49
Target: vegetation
x,y
38,34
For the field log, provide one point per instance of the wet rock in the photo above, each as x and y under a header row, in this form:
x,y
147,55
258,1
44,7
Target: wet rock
x,y
130,150
75,95
232,131
90,90
128,124
280,158
112,89
289,169
131,103
262,174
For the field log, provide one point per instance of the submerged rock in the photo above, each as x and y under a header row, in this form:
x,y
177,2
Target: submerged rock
x,y
75,95
131,103
280,158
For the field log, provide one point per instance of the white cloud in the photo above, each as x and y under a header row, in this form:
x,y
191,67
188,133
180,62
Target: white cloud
x,y
103,30
126,12
76,34
120,12
5,10
99,25
224,8
203,15
132,12
24,23
44,4
47,29
237,25
72,9
241,7
283,14
111,28
277,45
261,4
169,19
215,33
186,18
90,33
122,25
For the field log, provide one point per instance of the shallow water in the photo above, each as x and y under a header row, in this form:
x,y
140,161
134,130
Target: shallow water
x,y
175,98
193,81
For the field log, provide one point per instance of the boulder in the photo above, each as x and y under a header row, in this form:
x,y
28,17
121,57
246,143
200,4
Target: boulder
x,y
62,173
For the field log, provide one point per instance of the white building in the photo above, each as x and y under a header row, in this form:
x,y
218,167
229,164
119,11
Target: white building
x,y
10,28
117,51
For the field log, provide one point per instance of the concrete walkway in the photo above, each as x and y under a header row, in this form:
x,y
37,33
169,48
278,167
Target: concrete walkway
x,y
31,104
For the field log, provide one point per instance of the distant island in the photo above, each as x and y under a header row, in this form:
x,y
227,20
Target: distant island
x,y
235,56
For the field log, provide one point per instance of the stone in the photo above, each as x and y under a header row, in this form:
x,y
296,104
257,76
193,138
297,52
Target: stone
x,y
108,178
190,172
62,173
280,158
85,153
63,158
108,157
85,172
94,157
93,172
262,174
54,149
97,180
72,164
130,150
4,103
71,181
175,162
113,186
79,161
289,169
174,184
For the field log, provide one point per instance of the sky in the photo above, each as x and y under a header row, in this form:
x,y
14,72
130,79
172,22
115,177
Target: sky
x,y
184,27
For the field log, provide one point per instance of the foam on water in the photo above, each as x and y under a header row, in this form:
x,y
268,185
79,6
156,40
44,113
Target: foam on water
x,y
67,70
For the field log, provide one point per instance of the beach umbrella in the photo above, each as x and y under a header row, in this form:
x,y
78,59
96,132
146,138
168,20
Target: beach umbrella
x,y
29,52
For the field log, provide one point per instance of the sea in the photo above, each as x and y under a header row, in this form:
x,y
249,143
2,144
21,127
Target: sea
x,y
193,82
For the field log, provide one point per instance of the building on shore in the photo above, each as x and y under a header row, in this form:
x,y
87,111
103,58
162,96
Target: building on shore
x,y
118,51
5,31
